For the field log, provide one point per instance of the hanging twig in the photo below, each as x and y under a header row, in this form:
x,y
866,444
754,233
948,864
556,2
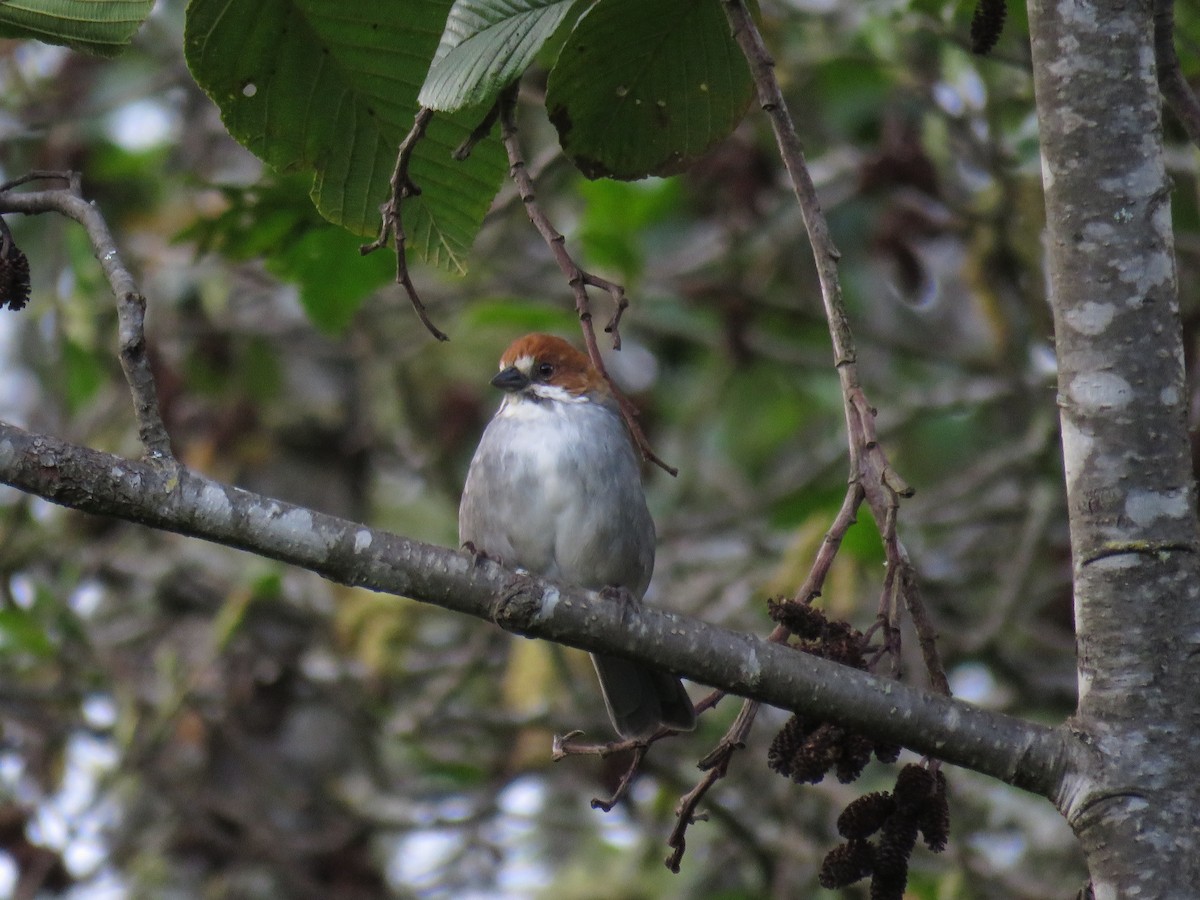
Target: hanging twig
x,y
392,222
872,478
716,765
882,486
567,745
577,278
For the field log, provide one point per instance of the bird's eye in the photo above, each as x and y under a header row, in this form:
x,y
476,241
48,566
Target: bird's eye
x,y
545,370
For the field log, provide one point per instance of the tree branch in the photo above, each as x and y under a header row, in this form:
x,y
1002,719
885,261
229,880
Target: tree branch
x,y
1123,401
131,305
881,485
1028,755
392,222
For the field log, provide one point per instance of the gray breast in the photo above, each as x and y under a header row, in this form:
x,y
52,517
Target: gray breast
x,y
560,495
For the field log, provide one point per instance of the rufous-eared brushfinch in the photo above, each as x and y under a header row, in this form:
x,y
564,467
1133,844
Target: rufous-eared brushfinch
x,y
555,489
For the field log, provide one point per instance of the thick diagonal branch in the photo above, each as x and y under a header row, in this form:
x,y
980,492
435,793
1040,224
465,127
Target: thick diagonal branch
x,y
1022,753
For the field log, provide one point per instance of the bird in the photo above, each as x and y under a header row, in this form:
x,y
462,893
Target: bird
x,y
555,489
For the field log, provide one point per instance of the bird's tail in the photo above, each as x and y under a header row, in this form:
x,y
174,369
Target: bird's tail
x,y
640,698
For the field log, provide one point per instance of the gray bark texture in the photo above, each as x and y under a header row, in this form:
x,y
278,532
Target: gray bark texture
x,y
170,497
1131,794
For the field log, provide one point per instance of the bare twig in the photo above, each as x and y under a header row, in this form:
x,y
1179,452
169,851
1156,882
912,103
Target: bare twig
x,y
716,765
392,223
926,632
567,745
847,516
37,175
1174,86
131,305
479,133
639,753
577,278
882,486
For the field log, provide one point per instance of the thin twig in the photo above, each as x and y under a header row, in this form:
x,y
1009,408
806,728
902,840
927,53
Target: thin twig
x,y
1174,86
926,632
716,765
639,753
567,745
37,175
131,305
480,132
869,467
391,219
577,278
872,477
847,516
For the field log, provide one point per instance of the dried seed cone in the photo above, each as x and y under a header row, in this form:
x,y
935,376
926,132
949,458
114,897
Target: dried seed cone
x,y
846,864
866,815
987,25
817,755
14,277
887,753
800,619
914,787
855,754
896,841
934,821
785,746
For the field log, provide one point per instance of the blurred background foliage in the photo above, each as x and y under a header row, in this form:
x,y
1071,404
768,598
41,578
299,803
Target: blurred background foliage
x,y
182,720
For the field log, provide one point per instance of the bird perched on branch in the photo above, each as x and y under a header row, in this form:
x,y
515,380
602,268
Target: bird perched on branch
x,y
555,489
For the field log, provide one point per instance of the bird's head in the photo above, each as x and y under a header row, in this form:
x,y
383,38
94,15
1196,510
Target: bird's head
x,y
544,367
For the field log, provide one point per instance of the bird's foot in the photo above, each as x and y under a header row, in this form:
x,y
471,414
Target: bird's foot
x,y
624,596
478,555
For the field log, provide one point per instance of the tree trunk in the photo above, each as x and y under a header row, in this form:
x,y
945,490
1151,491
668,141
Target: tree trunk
x,y
1132,798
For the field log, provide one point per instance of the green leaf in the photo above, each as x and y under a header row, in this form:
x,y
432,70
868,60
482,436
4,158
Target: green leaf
x,y
487,44
333,277
616,215
645,87
85,373
99,27
273,221
329,87
516,314
21,632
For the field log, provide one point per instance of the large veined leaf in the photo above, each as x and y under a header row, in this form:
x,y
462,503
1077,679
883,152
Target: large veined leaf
x,y
487,44
101,27
644,87
331,87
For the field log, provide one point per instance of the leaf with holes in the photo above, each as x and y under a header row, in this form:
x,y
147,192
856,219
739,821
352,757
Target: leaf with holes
x,y
331,88
645,87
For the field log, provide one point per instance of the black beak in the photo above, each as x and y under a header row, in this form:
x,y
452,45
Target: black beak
x,y
511,379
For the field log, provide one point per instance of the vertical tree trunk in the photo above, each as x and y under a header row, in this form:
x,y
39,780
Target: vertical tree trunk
x,y
1133,798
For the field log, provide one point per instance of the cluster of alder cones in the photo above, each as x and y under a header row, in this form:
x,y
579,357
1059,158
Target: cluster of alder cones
x,y
880,828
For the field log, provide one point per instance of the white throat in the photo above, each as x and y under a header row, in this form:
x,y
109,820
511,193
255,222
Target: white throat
x,y
519,403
